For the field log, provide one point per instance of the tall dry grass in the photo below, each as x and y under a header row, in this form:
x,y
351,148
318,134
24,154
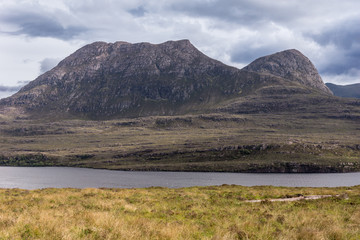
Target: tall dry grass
x,y
189,213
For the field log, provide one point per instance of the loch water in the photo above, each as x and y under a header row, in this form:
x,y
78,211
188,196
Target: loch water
x,y
67,177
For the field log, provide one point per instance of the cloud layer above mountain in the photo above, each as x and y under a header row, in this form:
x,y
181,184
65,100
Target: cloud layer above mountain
x,y
35,35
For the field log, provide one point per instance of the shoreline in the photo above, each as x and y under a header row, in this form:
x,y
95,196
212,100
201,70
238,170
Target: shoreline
x,y
283,167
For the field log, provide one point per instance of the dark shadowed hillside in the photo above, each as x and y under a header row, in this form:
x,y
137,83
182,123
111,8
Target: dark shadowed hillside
x,y
348,91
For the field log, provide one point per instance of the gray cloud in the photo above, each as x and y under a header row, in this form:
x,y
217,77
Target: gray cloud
x,y
247,55
9,88
47,64
344,34
345,38
241,12
22,83
346,66
40,24
138,12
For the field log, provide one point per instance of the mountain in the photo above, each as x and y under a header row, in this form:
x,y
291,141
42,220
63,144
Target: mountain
x,y
123,79
290,64
348,91
170,107
110,80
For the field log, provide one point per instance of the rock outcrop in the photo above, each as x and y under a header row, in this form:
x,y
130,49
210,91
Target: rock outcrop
x,y
292,65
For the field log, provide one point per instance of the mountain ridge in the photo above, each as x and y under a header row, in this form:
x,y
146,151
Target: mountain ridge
x,y
107,80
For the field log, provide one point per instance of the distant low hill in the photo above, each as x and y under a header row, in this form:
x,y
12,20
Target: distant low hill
x,y
348,91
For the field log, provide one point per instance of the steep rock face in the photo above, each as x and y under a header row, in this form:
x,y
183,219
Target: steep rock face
x,y
291,65
123,79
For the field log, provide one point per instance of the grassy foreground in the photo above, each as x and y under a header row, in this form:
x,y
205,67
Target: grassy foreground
x,y
187,213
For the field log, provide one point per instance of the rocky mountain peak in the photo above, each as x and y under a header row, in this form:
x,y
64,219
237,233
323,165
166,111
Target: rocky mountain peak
x,y
123,79
99,50
292,65
122,58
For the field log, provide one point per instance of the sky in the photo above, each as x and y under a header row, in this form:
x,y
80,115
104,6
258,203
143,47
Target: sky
x,y
36,34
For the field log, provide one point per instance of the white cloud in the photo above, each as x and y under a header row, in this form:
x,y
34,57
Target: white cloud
x,y
21,58
350,77
6,94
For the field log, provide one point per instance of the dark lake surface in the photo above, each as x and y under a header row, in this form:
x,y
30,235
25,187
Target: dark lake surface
x,y
64,177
